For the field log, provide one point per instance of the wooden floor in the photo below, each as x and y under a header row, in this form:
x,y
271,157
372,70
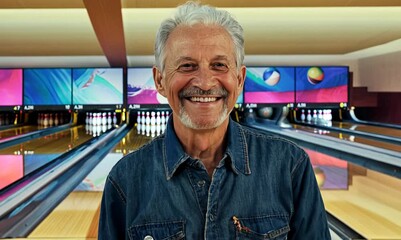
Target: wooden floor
x,y
76,217
371,206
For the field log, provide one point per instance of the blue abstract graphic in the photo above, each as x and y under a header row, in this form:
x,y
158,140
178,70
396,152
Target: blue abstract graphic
x,y
97,86
47,86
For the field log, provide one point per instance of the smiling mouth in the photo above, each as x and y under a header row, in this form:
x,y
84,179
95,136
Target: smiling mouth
x,y
203,99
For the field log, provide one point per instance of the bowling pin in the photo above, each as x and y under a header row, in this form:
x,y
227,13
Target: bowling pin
x,y
143,118
90,121
95,120
147,120
152,118
109,120
138,118
99,119
46,120
314,116
163,118
87,118
309,116
320,114
114,118
158,120
167,116
303,115
104,119
50,119
56,121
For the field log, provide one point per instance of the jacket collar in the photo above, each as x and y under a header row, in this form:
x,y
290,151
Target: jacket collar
x,y
237,150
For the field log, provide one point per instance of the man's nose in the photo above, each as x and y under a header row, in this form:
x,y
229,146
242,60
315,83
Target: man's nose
x,y
206,79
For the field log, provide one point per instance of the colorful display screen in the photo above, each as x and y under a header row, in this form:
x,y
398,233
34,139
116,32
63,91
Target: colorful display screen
x,y
330,172
141,87
47,86
269,85
97,86
12,169
10,87
321,84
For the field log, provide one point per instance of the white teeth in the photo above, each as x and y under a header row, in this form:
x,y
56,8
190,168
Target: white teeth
x,y
203,99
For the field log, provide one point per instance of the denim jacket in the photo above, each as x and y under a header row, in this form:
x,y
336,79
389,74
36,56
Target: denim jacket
x,y
263,188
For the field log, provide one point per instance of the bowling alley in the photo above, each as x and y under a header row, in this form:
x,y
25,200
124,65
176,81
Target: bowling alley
x,y
79,92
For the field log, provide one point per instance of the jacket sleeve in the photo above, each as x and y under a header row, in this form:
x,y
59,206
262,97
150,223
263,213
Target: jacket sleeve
x,y
112,222
309,220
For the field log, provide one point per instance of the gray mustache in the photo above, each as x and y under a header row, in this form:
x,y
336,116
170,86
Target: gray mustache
x,y
189,92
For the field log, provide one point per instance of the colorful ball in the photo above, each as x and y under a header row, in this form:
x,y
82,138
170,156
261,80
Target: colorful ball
x,y
315,75
265,112
271,76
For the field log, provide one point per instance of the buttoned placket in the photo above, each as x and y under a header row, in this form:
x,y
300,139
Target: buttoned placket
x,y
200,183
212,218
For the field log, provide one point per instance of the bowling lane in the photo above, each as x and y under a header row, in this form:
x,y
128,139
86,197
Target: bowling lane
x,y
15,131
22,159
392,132
77,216
349,137
365,200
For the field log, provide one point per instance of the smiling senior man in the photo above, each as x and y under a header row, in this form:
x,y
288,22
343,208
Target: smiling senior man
x,y
208,177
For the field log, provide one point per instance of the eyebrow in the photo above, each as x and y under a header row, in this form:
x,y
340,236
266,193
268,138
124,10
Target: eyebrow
x,y
221,57
181,59
218,57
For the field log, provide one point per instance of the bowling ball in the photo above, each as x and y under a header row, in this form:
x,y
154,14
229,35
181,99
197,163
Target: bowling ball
x,y
271,76
315,75
265,112
320,176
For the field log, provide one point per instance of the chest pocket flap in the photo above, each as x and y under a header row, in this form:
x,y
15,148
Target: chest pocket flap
x,y
265,227
173,230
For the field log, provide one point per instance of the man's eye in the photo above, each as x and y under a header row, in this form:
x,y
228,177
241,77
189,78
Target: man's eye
x,y
188,67
220,66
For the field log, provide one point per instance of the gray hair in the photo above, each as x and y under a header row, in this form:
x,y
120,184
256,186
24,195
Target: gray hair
x,y
192,13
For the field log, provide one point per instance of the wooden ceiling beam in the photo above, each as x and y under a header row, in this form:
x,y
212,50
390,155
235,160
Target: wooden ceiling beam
x,y
107,22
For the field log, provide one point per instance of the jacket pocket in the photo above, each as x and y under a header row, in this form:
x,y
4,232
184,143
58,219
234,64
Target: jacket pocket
x,y
264,227
173,230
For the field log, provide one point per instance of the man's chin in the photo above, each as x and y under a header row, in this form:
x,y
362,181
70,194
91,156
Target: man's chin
x,y
203,124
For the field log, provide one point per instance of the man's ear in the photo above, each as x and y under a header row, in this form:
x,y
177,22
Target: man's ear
x,y
241,77
158,77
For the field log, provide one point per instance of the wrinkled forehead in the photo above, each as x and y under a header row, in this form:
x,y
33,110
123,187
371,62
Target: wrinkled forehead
x,y
187,40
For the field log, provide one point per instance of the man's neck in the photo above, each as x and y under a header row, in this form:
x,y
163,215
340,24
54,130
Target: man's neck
x,y
205,145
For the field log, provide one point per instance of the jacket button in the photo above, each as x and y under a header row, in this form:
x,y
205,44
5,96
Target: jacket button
x,y
201,183
148,237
